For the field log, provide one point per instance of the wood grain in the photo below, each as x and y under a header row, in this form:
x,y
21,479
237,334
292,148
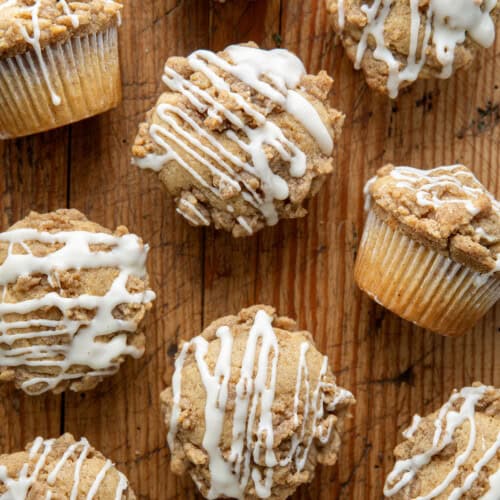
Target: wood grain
x,y
304,268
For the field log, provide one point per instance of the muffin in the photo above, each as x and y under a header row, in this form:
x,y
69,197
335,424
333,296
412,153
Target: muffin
x,y
453,453
430,251
399,41
61,468
73,298
58,63
240,138
253,408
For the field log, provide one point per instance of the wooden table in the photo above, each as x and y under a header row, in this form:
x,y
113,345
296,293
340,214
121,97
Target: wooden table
x,y
304,268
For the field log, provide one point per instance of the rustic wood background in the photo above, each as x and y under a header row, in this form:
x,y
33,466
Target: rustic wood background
x,y
304,268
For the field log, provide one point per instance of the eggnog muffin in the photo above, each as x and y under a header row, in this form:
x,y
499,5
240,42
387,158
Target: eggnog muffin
x,y
253,408
240,138
58,62
397,42
430,251
452,453
73,298
61,469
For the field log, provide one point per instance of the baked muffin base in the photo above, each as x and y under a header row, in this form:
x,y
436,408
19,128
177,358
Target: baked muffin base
x,y
70,82
419,284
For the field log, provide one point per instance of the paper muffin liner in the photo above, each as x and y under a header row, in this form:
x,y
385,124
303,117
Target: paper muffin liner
x,y
419,284
82,73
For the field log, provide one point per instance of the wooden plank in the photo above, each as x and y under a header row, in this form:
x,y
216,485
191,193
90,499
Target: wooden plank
x,y
122,417
33,176
230,265
395,369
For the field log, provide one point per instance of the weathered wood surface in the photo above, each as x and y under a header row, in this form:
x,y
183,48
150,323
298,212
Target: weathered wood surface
x,y
304,268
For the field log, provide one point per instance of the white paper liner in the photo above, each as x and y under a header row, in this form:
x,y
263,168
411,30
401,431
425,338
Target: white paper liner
x,y
418,283
83,73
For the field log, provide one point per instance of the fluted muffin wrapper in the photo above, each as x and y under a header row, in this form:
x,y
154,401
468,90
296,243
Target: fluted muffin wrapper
x,y
84,73
418,283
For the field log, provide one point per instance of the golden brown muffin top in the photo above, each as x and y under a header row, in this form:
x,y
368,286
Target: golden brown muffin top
x,y
31,24
56,468
241,138
397,42
73,296
445,208
452,453
254,385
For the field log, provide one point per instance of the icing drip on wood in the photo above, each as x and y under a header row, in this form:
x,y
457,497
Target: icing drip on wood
x,y
446,423
232,471
33,11
446,24
274,74
126,253
19,487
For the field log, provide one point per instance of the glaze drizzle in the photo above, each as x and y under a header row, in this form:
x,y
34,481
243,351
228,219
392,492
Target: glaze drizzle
x,y
19,487
446,423
126,253
274,74
445,24
255,389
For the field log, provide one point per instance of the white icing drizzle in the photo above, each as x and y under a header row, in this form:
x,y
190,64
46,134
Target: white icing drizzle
x,y
245,225
34,40
283,72
446,25
410,432
341,14
494,492
192,209
445,425
231,472
18,488
127,254
426,184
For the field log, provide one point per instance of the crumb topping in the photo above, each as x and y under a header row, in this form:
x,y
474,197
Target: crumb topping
x,y
446,208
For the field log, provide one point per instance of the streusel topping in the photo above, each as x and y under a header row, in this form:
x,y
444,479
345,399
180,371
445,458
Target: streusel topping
x,y
446,208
